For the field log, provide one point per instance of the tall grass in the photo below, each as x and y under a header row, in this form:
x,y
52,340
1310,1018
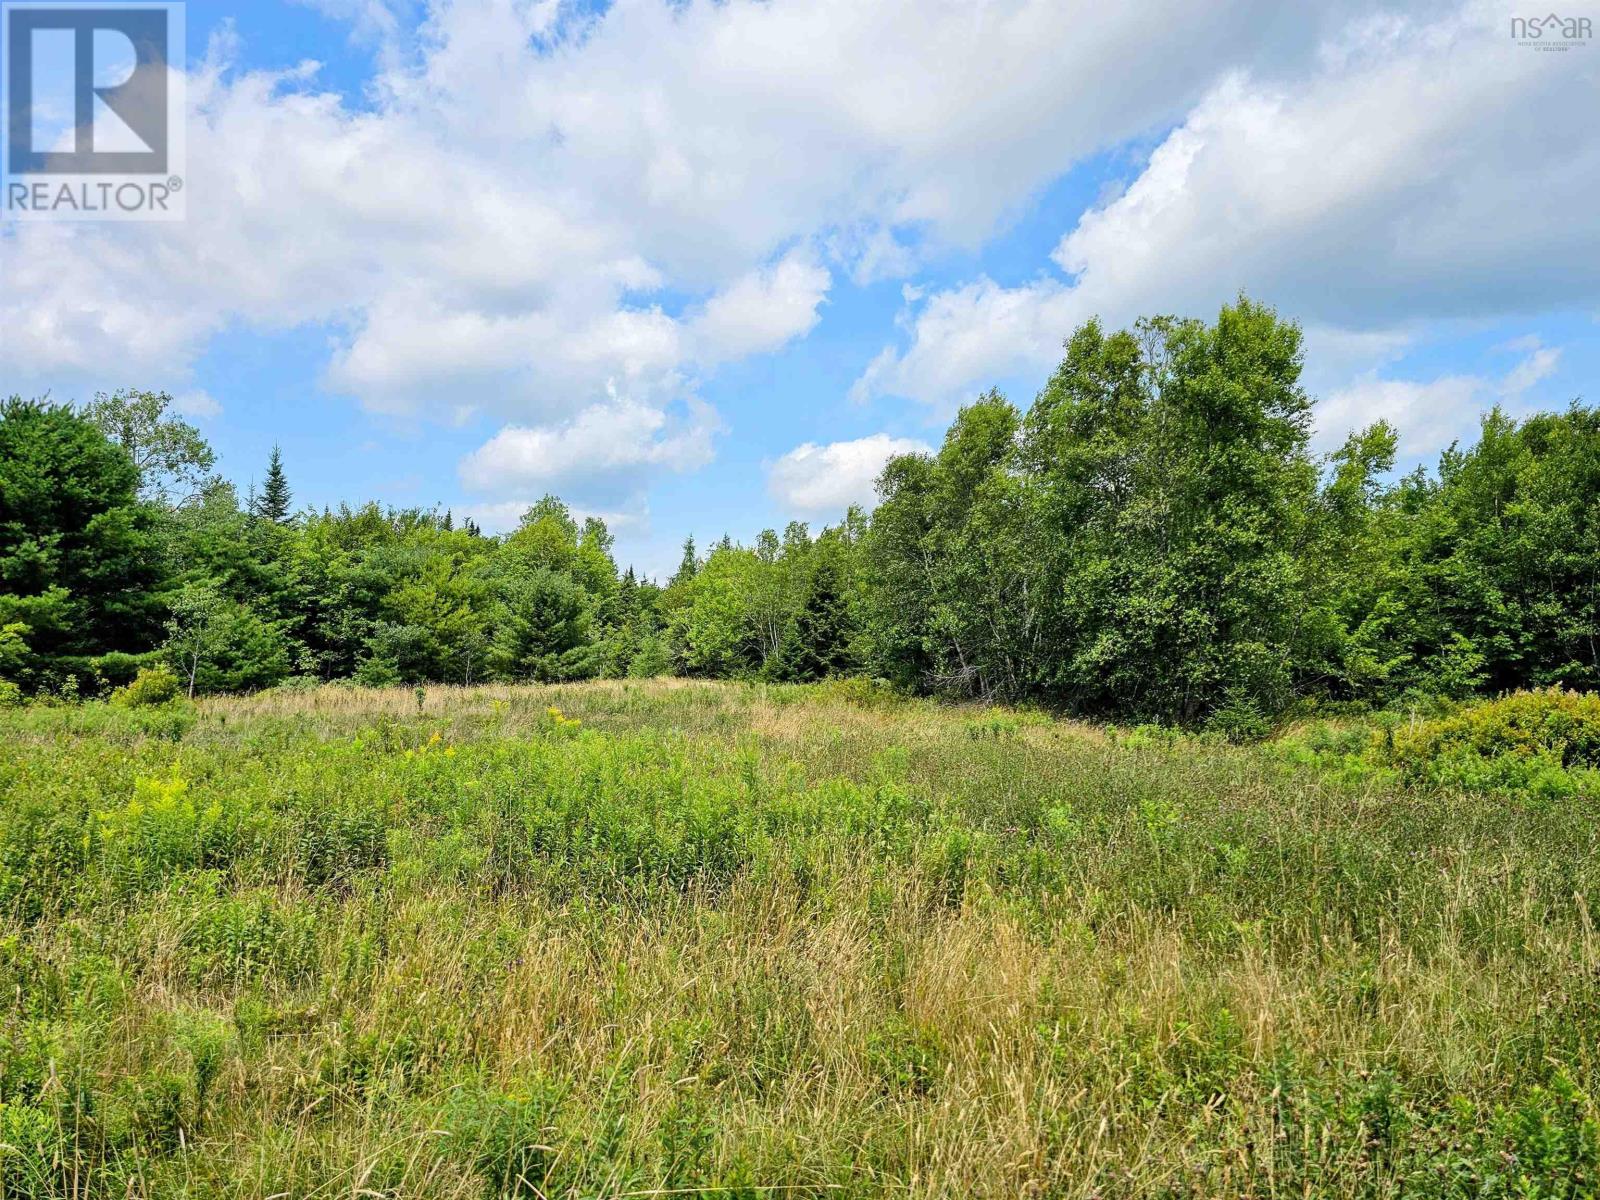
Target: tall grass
x,y
691,939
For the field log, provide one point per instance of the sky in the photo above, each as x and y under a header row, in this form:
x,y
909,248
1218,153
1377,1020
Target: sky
x,y
700,268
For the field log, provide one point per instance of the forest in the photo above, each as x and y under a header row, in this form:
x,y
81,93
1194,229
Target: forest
x,y
1152,539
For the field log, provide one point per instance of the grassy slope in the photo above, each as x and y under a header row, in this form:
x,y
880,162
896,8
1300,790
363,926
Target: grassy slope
x,y
715,937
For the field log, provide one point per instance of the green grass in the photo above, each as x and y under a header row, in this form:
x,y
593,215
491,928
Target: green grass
x,y
695,939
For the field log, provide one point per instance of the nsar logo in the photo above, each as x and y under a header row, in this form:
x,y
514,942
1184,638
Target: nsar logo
x,y
1552,32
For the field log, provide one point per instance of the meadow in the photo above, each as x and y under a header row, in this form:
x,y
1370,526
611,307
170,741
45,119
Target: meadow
x,y
675,938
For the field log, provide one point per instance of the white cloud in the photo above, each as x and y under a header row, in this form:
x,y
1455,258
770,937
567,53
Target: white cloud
x,y
1537,367
828,479
1430,415
1422,172
967,337
369,19
538,207
620,442
1426,415
494,228
762,310
196,403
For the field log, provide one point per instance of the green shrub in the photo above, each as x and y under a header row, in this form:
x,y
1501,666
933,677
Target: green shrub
x,y
152,685
652,658
1239,719
10,694
208,1041
1545,741
376,671
248,936
150,1110
1554,723
118,669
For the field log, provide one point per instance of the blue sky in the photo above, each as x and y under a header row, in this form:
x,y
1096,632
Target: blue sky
x,y
699,267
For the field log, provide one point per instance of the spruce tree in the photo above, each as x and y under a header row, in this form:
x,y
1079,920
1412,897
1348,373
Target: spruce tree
x,y
818,643
275,495
690,565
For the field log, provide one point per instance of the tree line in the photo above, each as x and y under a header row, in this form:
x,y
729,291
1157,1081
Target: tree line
x,y
1152,539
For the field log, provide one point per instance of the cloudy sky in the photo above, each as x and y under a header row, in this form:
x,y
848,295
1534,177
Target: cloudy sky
x,y
700,267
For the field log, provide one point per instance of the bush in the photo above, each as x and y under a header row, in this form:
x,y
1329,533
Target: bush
x,y
375,671
653,658
31,1144
1239,719
118,669
10,694
1545,740
1557,724
153,685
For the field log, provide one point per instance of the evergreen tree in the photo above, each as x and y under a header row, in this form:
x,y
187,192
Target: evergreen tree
x,y
79,565
273,504
687,566
819,645
543,630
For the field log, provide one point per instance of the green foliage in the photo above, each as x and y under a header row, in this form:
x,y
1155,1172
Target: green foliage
x,y
217,644
1152,540
118,669
163,829
1239,718
506,1138
173,461
14,653
651,657
208,1040
1561,724
1128,548
31,1152
544,629
1545,741
77,562
713,621
153,685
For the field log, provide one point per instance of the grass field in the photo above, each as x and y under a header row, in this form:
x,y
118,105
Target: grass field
x,y
650,939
